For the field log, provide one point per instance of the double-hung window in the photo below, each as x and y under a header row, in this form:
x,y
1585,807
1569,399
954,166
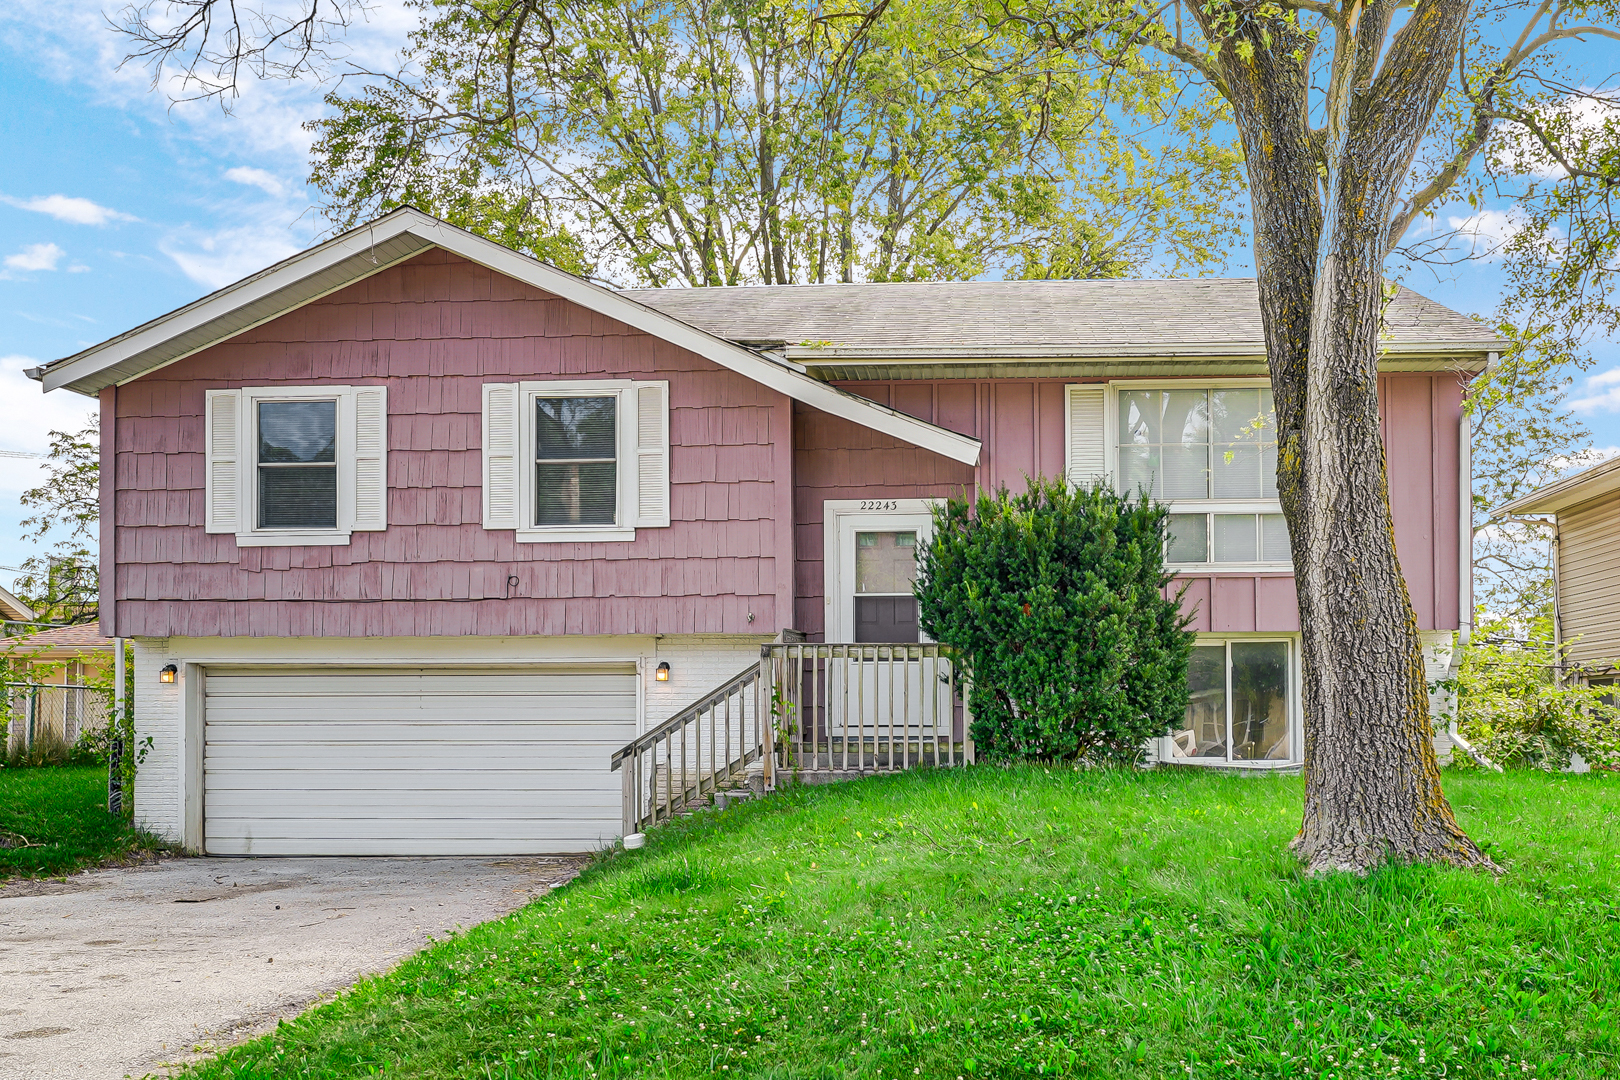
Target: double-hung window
x,y
576,461
296,464
1211,454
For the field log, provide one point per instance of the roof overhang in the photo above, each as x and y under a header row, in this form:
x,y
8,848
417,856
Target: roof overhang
x,y
1594,483
13,609
854,366
403,234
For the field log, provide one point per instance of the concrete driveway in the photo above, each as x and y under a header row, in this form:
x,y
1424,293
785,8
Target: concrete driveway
x,y
123,972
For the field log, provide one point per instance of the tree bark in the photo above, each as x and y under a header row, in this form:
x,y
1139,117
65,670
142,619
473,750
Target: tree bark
x,y
1372,782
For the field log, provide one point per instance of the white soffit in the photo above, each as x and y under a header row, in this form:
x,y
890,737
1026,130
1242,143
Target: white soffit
x,y
407,232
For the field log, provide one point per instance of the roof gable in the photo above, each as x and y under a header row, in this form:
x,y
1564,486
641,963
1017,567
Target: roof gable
x,y
403,234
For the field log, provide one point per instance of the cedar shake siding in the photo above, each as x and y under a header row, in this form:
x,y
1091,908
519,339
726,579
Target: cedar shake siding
x,y
1022,424
434,330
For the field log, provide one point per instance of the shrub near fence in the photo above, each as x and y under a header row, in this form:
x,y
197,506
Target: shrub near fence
x,y
51,722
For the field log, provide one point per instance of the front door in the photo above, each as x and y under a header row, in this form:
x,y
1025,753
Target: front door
x,y
882,694
872,566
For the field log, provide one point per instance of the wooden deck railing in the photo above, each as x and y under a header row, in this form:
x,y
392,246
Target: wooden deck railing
x,y
845,709
710,745
805,711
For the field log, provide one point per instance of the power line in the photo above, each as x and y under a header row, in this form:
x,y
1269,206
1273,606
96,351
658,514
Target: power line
x,y
21,454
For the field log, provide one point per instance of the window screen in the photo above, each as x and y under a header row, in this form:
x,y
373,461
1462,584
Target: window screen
x,y
297,464
576,461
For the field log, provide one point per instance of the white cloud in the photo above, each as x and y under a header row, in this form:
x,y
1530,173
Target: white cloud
x,y
1600,394
1584,122
258,178
30,417
35,257
71,42
78,268
1584,459
219,258
1487,232
70,209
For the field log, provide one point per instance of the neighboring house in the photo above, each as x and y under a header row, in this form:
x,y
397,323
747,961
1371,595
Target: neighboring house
x,y
49,678
417,519
1585,509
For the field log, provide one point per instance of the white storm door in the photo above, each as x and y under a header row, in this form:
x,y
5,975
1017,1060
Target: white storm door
x,y
878,690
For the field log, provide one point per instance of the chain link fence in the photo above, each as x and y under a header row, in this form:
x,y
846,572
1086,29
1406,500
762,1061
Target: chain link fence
x,y
45,721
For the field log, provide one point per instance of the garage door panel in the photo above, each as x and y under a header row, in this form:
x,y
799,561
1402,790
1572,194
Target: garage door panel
x,y
344,727
402,828
448,710
344,803
591,755
559,843
463,780
392,761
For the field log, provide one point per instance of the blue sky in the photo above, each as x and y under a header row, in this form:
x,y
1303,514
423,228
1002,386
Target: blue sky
x,y
115,208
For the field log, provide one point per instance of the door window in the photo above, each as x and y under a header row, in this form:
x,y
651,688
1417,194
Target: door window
x,y
885,570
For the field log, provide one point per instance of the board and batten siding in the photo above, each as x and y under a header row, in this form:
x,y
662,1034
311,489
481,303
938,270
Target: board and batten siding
x,y
1589,581
434,330
1022,424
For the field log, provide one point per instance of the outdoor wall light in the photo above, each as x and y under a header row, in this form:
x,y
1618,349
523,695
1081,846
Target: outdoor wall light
x,y
662,675
168,673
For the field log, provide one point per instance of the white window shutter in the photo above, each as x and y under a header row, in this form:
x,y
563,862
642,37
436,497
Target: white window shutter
x,y
652,455
371,458
223,466
501,455
1086,457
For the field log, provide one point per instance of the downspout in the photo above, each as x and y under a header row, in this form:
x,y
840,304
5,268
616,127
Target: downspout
x,y
1558,618
1465,569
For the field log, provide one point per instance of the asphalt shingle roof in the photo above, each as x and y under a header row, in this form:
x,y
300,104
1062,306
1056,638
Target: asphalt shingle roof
x,y
82,636
979,318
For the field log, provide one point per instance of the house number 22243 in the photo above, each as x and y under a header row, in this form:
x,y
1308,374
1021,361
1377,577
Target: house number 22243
x,y
879,504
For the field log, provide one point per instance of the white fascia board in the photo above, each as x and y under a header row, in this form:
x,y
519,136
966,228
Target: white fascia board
x,y
1238,350
747,363
200,312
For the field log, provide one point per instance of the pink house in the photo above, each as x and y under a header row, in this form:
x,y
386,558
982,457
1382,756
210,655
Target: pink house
x,y
423,530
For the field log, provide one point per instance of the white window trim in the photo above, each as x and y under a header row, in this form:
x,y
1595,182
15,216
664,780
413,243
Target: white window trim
x,y
626,474
1296,712
1194,506
841,519
248,533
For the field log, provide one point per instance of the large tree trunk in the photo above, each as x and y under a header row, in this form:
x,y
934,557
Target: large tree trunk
x,y
1372,783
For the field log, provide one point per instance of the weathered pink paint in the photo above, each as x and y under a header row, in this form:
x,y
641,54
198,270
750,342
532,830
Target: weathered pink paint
x,y
1022,424
107,558
835,459
750,472
434,330
1422,423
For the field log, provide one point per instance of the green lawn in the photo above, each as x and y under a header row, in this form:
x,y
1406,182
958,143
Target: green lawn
x,y
54,820
1019,923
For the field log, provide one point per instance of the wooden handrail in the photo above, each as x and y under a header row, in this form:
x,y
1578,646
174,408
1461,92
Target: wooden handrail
x,y
686,715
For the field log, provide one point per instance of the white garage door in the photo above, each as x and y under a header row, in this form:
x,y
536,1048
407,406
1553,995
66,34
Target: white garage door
x,y
416,761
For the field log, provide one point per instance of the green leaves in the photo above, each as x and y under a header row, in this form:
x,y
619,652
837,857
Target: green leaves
x,y
1055,599
762,141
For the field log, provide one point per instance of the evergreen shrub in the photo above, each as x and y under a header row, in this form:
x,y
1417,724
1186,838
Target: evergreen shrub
x,y
1054,599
